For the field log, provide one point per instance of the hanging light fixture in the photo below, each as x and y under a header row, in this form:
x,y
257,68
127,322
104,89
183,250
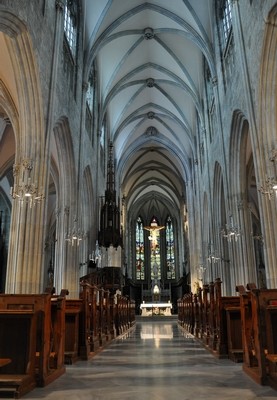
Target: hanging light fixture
x,y
24,189
269,188
231,231
76,235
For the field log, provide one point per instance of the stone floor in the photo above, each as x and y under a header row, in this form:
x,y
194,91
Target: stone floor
x,y
156,361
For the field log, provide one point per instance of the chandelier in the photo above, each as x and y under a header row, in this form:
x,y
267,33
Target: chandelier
x,y
269,187
24,189
76,235
231,231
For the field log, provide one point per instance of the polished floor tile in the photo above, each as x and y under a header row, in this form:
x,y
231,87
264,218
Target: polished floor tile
x,y
155,361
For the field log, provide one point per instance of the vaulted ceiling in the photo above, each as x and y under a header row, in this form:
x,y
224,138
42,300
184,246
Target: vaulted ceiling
x,y
149,58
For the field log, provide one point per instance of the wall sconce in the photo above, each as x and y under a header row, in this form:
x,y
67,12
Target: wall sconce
x,y
212,258
273,155
24,189
212,254
232,231
76,235
258,237
269,187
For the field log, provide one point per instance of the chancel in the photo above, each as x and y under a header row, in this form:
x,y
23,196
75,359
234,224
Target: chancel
x,y
138,171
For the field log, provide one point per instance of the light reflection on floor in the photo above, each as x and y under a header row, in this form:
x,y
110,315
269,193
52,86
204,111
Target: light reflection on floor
x,y
157,360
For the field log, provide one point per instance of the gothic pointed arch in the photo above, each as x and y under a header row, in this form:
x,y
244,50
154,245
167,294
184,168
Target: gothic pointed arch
x,y
25,111
66,204
267,148
243,191
140,249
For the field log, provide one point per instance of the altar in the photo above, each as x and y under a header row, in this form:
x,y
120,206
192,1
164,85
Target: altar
x,y
150,309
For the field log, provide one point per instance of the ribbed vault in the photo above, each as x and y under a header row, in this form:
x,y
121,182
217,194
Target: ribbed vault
x,y
149,63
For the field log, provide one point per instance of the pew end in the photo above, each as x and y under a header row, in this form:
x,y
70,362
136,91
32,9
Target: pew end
x,y
17,368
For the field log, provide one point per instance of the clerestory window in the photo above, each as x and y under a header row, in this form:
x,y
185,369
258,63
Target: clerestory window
x,y
227,19
70,24
225,30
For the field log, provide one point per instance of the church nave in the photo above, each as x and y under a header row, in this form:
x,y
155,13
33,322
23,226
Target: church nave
x,y
156,360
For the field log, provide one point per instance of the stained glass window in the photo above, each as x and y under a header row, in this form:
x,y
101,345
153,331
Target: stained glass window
x,y
170,244
140,266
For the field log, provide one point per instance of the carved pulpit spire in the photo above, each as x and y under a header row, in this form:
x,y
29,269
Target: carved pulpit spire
x,y
110,233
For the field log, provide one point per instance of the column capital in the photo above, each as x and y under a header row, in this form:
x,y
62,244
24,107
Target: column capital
x,y
85,86
214,80
59,5
203,131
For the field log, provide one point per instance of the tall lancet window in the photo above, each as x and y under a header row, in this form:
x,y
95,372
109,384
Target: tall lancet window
x,y
140,265
227,19
70,24
170,244
155,240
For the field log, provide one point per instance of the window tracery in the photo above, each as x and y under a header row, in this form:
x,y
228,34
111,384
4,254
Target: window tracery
x,y
70,24
140,265
170,245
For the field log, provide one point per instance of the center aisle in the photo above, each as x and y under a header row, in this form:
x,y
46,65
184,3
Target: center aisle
x,y
155,361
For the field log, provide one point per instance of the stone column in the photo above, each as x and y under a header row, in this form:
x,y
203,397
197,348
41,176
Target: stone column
x,y
24,270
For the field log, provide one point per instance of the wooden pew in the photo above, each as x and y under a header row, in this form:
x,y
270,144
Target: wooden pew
x,y
180,312
201,313
102,307
89,320
50,315
268,306
113,311
17,352
118,315
121,314
250,362
234,332
213,319
259,322
186,312
54,365
227,325
189,313
132,313
205,316
73,310
196,312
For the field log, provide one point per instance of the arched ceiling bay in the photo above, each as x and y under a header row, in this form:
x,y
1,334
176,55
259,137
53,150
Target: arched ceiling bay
x,y
149,58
